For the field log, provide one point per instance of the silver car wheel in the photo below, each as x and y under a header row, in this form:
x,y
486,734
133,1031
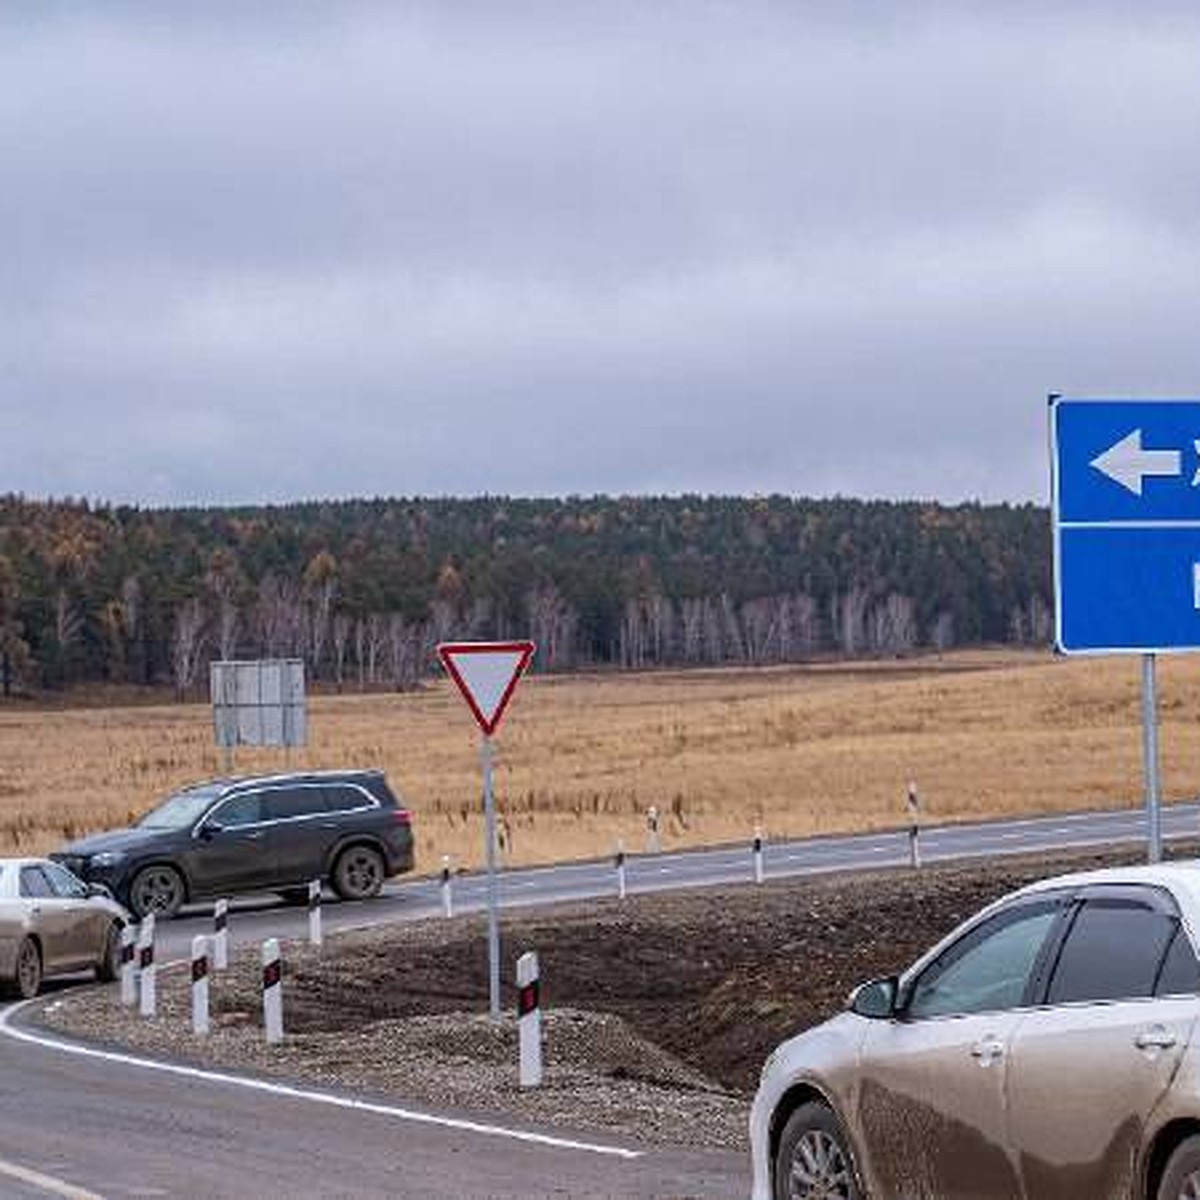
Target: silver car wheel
x,y
359,874
1190,1190
819,1168
156,890
29,969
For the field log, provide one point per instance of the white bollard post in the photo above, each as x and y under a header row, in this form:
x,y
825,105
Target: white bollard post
x,y
914,826
146,988
620,864
529,1019
199,985
272,984
220,957
447,898
128,966
653,841
758,854
314,913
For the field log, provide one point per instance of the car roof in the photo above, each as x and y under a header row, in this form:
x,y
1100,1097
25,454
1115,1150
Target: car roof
x,y
1181,878
240,781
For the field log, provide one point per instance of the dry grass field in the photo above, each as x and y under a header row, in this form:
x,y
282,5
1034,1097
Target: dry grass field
x,y
580,759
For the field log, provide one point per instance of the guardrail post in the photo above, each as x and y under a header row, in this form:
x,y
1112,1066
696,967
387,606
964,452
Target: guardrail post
x,y
221,935
272,985
619,861
315,934
758,854
447,898
128,966
146,981
199,985
529,1019
653,841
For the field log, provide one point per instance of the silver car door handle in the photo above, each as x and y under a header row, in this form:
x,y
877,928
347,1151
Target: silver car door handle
x,y
1155,1038
987,1051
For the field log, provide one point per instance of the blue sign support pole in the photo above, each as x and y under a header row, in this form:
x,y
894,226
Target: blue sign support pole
x,y
1150,757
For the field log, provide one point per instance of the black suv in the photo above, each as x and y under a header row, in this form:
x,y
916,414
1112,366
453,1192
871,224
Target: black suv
x,y
272,833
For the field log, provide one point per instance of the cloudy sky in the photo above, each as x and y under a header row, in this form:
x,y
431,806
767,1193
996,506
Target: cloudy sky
x,y
270,251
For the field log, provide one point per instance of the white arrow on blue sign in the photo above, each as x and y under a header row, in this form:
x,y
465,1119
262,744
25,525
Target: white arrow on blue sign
x,y
1126,512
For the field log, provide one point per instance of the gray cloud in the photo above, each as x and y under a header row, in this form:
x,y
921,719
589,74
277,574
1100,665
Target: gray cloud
x,y
257,252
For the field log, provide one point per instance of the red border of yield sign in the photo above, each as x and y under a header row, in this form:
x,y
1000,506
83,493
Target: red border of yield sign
x,y
447,651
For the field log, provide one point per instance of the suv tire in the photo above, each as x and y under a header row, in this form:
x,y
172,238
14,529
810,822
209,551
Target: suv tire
x,y
158,890
358,873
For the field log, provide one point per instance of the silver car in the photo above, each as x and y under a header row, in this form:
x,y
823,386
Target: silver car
x,y
1045,1050
51,923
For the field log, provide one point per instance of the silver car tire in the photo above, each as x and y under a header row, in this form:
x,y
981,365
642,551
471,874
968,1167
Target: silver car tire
x,y
814,1160
158,890
1181,1179
27,971
109,966
358,873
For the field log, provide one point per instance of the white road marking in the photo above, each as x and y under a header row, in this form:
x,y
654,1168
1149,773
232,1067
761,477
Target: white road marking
x,y
288,1092
46,1183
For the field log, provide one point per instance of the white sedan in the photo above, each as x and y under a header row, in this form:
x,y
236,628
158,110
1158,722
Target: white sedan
x,y
51,923
1047,1049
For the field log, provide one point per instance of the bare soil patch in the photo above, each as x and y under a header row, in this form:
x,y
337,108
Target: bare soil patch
x,y
660,1010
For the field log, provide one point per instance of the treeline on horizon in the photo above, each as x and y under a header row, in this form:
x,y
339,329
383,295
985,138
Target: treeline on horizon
x,y
363,590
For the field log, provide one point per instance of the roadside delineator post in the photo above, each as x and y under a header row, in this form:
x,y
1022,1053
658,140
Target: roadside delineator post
x,y
620,865
758,854
653,841
128,966
220,955
529,1019
200,985
447,898
913,804
146,988
272,989
315,933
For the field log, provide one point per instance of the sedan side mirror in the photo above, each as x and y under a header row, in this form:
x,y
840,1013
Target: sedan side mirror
x,y
99,889
876,999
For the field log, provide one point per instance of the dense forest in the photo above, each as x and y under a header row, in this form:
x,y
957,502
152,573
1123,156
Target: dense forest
x,y
363,589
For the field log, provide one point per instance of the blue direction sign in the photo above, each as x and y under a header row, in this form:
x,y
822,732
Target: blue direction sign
x,y
1126,509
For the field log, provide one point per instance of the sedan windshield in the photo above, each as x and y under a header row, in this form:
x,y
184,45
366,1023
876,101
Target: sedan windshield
x,y
181,810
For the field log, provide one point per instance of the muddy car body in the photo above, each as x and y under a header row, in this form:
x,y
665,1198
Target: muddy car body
x,y
1046,1050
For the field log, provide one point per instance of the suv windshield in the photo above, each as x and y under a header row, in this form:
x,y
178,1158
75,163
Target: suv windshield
x,y
182,809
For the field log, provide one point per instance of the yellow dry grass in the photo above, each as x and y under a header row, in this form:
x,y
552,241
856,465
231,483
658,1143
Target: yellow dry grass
x,y
580,759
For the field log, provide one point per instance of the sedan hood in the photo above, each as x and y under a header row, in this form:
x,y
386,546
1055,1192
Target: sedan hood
x,y
115,839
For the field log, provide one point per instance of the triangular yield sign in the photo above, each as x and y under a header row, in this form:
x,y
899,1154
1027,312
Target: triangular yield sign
x,y
486,673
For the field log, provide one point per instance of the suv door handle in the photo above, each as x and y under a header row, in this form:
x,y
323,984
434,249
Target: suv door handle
x,y
1157,1037
987,1050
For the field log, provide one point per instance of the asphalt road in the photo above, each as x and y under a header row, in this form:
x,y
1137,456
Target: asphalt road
x,y
82,1125
255,918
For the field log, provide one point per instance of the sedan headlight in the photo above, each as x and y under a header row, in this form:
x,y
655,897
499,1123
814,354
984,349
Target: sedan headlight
x,y
107,858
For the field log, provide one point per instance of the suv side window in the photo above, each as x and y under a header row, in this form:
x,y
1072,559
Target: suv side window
x,y
63,883
299,801
1113,951
990,967
34,884
244,809
344,796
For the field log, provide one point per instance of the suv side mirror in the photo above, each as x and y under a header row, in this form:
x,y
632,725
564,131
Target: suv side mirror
x,y
209,829
876,999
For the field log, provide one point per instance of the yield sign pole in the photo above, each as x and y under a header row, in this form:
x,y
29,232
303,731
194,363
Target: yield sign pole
x,y
486,673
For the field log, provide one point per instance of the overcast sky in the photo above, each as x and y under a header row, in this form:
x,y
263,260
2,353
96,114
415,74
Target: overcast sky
x,y
265,252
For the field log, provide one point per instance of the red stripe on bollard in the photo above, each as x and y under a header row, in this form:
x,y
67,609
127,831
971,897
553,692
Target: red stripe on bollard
x,y
528,998
273,974
199,969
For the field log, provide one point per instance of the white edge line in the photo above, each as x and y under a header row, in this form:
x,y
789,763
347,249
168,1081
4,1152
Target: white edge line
x,y
294,1093
46,1183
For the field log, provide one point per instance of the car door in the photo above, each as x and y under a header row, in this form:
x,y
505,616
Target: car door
x,y
231,850
1088,1067
301,830
86,923
931,1098
48,917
